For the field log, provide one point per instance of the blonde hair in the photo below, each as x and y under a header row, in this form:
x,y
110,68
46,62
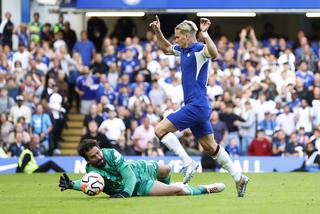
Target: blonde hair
x,y
187,27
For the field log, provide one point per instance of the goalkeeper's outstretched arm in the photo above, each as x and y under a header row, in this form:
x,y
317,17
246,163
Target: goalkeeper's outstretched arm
x,y
65,183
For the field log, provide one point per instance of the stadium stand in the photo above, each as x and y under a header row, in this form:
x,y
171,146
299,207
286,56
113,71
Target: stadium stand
x,y
256,84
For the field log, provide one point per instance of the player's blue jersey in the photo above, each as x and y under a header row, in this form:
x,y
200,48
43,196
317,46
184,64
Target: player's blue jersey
x,y
194,67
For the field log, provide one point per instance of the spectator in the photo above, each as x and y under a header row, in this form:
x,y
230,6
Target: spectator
x,y
154,150
150,113
46,34
113,75
286,121
86,48
287,57
269,124
98,66
23,35
58,27
219,129
247,129
138,97
232,148
262,106
35,28
139,82
142,135
16,145
22,55
228,117
309,57
113,127
41,125
69,36
279,144
129,64
305,74
6,30
55,105
105,89
109,55
94,134
58,42
6,102
293,148
303,116
92,116
87,88
20,110
5,128
156,95
316,106
260,146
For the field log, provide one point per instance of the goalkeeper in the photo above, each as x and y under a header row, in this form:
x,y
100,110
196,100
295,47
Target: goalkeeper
x,y
131,178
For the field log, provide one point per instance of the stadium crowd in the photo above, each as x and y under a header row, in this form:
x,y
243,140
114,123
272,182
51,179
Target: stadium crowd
x,y
265,92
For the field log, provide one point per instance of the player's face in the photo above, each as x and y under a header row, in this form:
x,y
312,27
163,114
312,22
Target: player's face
x,y
95,157
180,38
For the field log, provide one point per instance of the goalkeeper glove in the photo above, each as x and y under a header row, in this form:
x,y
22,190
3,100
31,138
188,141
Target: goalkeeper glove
x,y
120,195
65,182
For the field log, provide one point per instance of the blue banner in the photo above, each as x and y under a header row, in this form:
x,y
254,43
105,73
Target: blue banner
x,y
198,4
76,164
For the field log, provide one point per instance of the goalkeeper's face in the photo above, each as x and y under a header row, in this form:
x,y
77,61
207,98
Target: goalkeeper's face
x,y
95,157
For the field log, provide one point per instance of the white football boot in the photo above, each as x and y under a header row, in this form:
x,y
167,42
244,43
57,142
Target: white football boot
x,y
189,170
214,188
241,185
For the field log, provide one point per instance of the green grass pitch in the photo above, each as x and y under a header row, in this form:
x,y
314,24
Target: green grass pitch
x,y
267,193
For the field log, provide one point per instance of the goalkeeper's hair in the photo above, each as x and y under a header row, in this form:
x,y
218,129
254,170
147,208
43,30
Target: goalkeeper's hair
x,y
85,146
187,27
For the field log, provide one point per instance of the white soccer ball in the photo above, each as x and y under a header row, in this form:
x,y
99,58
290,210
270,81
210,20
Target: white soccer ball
x,y
92,183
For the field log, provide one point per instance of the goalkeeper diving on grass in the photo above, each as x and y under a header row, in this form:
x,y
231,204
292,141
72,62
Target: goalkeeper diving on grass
x,y
124,179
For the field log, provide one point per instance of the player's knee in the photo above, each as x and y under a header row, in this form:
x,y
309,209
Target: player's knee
x,y
159,131
209,148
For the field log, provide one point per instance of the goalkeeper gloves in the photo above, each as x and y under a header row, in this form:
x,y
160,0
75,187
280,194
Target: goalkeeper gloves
x,y
120,195
65,182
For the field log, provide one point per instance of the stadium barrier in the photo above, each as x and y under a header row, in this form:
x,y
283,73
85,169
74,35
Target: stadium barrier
x,y
76,164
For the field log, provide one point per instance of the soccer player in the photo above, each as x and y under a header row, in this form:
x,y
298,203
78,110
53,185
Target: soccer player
x,y
195,114
131,178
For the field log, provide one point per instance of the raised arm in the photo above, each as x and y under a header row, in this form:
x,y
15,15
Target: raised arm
x,y
210,50
163,43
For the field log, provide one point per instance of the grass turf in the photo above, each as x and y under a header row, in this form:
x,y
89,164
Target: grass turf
x,y
266,193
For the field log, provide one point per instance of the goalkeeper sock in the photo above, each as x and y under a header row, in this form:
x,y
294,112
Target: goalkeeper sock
x,y
196,190
172,142
222,157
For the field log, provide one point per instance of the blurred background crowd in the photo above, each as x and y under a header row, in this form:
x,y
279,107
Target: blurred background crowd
x,y
264,89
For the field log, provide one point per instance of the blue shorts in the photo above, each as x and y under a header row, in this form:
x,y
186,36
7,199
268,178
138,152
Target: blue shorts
x,y
197,118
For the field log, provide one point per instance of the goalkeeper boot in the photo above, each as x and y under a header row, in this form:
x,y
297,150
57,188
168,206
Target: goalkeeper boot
x,y
189,171
241,185
214,188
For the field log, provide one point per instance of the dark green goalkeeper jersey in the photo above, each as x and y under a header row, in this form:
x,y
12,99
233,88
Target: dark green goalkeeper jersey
x,y
134,177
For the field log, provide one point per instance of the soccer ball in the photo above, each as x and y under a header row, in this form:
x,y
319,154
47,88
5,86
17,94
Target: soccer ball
x,y
92,183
